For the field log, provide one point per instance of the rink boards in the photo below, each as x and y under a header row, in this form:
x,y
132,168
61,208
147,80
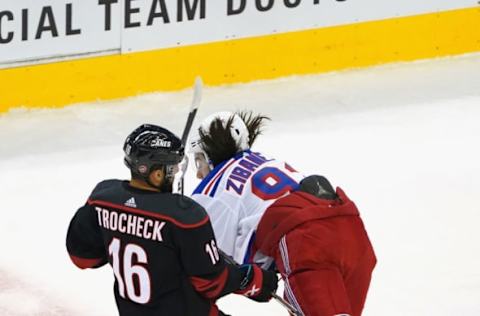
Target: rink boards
x,y
145,62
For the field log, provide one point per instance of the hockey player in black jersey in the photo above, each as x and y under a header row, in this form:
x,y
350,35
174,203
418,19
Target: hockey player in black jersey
x,y
160,245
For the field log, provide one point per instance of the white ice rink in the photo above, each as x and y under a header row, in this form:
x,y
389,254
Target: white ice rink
x,y
402,140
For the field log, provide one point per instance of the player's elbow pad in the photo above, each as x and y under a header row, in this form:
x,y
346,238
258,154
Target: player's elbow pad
x,y
210,288
85,263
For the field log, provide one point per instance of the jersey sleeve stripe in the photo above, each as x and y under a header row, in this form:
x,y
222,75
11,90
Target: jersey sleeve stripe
x,y
84,263
148,213
210,288
213,310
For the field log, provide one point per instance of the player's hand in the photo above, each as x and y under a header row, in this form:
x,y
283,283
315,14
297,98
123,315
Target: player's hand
x,y
258,284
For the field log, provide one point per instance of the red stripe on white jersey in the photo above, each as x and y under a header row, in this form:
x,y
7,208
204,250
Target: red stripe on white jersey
x,y
214,179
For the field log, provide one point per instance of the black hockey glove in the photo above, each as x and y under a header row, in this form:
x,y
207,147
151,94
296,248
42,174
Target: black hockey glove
x,y
318,186
258,284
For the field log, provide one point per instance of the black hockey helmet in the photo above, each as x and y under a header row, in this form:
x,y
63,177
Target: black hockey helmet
x,y
150,147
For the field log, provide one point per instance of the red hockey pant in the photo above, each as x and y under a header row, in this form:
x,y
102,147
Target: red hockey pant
x,y
327,266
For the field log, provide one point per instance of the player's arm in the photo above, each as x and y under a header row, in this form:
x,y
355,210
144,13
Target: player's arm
x,y
84,240
212,277
224,221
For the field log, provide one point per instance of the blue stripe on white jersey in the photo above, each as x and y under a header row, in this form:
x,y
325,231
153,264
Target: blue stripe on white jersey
x,y
215,186
215,176
208,178
248,257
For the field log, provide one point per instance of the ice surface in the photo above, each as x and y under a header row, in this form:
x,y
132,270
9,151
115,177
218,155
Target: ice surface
x,y
402,140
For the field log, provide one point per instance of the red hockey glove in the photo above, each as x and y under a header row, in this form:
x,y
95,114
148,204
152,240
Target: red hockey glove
x,y
258,284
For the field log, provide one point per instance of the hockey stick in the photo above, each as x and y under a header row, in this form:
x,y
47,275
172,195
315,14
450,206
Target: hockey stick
x,y
197,97
292,310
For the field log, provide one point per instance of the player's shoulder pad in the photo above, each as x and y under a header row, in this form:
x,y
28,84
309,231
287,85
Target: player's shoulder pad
x,y
105,185
188,212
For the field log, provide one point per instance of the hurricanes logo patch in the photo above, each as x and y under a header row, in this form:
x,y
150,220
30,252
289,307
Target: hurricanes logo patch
x,y
161,140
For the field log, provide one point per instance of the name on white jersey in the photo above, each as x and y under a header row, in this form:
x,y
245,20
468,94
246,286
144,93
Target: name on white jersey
x,y
130,224
243,171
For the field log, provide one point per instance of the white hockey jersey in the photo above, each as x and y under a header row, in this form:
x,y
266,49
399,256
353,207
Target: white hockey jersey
x,y
236,194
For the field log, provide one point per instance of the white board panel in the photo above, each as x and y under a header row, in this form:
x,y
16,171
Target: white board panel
x,y
220,20
37,29
32,30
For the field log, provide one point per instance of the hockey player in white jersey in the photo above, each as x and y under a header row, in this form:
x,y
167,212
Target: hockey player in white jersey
x,y
230,177
262,210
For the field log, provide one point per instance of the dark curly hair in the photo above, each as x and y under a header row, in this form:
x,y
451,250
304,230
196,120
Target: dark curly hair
x,y
218,142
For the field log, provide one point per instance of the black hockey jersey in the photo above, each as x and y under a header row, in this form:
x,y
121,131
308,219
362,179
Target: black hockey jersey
x,y
160,245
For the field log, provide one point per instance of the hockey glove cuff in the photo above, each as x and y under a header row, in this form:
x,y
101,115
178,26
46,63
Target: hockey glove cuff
x,y
258,284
